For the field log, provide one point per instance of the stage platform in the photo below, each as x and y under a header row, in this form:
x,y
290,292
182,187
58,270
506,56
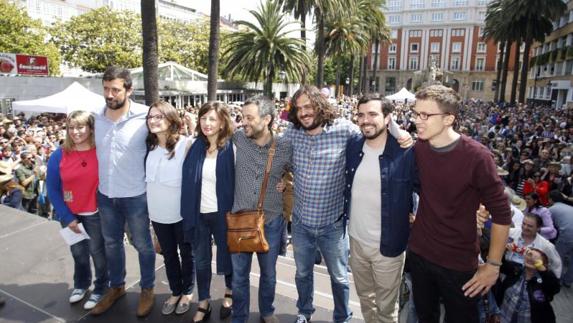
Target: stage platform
x,y
36,271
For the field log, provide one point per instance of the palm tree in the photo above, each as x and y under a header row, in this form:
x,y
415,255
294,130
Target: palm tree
x,y
264,49
213,50
499,28
323,10
378,31
346,37
536,16
150,54
299,9
493,19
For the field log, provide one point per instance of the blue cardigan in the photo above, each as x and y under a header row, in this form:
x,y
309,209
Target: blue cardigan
x,y
54,188
399,178
192,178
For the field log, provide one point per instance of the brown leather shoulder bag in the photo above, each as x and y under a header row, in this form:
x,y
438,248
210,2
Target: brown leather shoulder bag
x,y
246,228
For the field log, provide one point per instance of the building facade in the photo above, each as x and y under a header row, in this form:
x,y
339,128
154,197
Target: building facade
x,y
436,35
551,67
50,11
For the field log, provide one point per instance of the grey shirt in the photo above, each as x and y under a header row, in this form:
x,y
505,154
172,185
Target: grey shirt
x,y
562,215
120,148
250,163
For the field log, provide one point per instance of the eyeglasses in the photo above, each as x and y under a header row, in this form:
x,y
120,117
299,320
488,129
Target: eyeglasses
x,y
155,117
425,116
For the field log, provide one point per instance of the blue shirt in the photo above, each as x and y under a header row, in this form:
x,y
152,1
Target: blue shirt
x,y
318,166
121,149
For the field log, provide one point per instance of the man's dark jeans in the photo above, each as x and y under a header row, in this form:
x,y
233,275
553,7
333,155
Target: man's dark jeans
x,y
432,283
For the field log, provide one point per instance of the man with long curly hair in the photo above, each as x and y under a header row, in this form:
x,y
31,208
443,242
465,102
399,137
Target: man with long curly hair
x,y
318,222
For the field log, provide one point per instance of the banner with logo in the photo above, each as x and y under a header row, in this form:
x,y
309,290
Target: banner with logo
x,y
32,65
23,64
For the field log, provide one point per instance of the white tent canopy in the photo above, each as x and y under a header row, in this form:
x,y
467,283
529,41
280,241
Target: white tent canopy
x,y
74,97
402,96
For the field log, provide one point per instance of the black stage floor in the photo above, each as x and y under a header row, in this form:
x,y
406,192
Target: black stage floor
x,y
36,271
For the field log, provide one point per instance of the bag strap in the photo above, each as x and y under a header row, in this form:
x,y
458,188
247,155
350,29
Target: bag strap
x,y
267,173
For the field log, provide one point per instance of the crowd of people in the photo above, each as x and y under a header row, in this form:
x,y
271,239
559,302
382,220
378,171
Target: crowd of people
x,y
346,179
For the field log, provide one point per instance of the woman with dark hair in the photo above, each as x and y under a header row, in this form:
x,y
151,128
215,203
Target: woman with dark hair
x,y
72,182
163,169
534,206
526,293
207,195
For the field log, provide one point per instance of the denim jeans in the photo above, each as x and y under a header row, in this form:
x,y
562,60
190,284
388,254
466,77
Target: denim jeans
x,y
95,248
211,224
268,274
565,249
432,283
177,257
115,212
332,241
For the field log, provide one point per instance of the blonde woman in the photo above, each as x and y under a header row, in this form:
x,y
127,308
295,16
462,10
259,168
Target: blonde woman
x,y
72,182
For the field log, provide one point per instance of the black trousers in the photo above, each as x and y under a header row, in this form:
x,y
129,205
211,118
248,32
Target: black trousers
x,y
30,205
177,256
432,283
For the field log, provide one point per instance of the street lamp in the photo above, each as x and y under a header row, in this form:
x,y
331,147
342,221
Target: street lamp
x,y
347,82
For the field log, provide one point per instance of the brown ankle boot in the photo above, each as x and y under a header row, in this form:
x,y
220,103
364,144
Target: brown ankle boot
x,y
112,295
146,300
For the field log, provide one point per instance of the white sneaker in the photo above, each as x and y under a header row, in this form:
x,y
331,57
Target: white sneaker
x,y
77,295
92,301
300,318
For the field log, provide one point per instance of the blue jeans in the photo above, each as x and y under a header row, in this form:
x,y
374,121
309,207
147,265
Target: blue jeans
x,y
115,212
333,244
268,274
211,224
95,248
565,250
177,257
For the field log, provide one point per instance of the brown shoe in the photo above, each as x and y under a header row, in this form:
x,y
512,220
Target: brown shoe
x,y
112,295
146,300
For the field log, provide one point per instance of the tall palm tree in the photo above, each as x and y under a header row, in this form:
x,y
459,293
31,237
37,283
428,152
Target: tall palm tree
x,y
499,28
150,53
265,49
536,16
214,35
323,10
347,36
493,19
299,9
378,31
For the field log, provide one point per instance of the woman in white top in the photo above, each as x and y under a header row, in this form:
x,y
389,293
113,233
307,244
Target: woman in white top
x,y
163,169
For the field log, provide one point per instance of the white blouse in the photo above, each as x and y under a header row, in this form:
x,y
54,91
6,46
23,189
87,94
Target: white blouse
x,y
163,177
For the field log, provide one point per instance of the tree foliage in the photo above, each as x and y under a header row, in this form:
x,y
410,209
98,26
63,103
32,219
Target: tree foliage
x,y
20,34
100,38
185,43
103,37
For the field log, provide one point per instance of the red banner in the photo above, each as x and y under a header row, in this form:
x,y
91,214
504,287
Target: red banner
x,y
32,65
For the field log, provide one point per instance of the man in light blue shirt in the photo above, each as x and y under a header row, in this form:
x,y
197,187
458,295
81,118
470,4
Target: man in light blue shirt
x,y
120,132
